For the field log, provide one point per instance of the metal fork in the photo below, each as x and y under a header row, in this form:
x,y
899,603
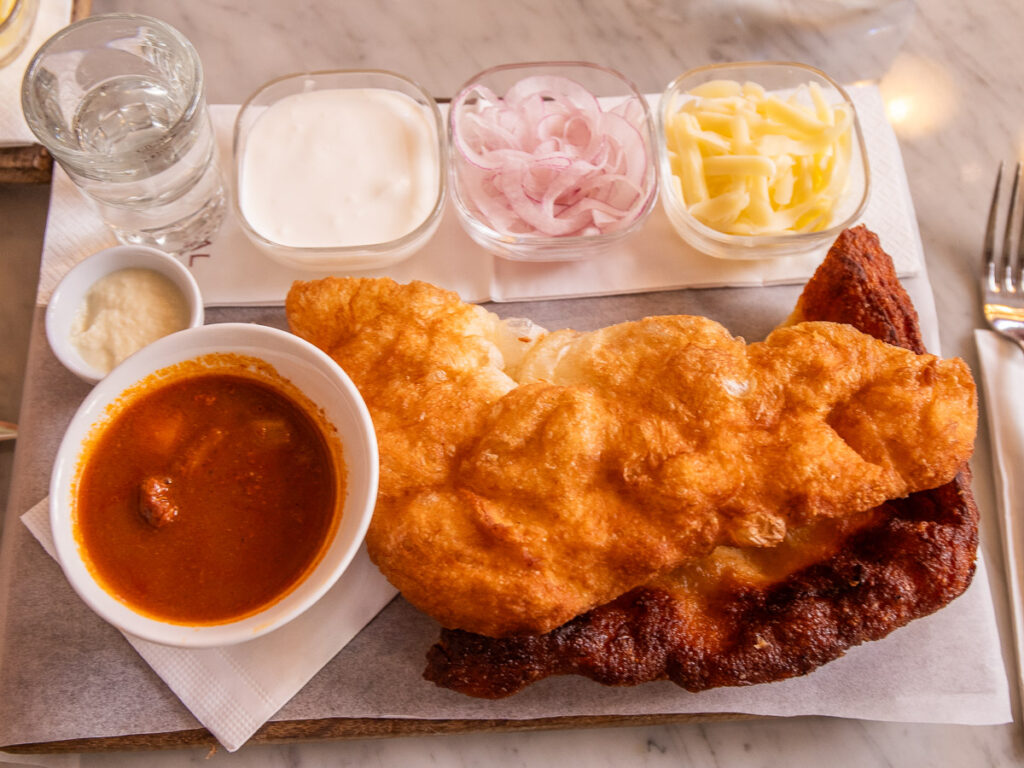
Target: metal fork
x,y
1002,281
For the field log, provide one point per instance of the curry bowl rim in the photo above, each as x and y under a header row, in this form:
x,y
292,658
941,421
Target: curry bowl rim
x,y
306,367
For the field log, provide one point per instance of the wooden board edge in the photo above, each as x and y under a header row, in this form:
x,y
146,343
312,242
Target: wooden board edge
x,y
347,729
30,164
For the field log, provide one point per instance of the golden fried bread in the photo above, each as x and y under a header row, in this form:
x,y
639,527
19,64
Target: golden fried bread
x,y
525,482
751,615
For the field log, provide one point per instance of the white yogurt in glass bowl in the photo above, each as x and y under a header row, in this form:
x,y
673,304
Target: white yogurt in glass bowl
x,y
340,169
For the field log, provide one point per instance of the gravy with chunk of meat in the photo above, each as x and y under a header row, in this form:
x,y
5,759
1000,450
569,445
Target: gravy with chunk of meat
x,y
207,498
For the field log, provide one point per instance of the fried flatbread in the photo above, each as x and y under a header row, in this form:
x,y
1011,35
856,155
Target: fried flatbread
x,y
741,615
527,481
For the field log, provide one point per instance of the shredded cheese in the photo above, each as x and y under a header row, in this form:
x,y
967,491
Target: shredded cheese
x,y
750,162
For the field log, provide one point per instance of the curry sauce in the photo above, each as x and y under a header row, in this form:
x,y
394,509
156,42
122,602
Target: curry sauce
x,y
207,498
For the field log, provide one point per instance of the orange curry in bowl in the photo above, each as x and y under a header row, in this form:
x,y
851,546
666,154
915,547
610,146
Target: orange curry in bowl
x,y
209,492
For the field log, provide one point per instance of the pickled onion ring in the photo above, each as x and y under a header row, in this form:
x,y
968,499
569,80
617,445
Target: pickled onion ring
x,y
547,160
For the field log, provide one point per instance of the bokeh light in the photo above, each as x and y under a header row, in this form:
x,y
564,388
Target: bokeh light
x,y
920,95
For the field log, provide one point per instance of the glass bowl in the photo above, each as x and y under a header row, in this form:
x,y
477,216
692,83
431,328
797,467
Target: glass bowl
x,y
379,205
16,27
520,241
782,78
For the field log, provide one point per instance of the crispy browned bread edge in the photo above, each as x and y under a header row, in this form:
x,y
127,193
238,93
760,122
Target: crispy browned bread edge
x,y
915,560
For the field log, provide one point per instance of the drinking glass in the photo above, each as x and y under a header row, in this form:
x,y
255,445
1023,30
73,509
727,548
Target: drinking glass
x,y
118,100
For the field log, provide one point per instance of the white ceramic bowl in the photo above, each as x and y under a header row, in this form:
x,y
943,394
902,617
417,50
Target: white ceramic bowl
x,y
68,296
320,379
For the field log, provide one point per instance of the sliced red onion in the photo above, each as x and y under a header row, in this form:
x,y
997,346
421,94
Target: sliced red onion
x,y
547,160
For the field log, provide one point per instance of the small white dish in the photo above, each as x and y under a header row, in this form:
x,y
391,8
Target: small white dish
x,y
70,292
305,367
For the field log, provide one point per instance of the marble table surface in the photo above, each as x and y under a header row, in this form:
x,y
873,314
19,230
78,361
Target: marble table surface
x,y
953,80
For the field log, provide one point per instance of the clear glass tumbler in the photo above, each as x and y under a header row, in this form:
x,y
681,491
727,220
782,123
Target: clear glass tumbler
x,y
118,100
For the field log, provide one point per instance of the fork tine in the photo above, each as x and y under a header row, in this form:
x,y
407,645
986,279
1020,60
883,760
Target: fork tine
x,y
1018,269
1002,283
989,266
1007,261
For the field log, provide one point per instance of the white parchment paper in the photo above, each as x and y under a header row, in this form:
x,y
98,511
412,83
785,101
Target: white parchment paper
x,y
74,676
234,690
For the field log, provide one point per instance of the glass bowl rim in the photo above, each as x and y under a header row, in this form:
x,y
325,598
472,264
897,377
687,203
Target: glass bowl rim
x,y
17,8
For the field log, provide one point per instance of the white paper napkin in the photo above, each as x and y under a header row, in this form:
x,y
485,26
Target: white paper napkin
x,y
234,690
654,259
1002,369
52,15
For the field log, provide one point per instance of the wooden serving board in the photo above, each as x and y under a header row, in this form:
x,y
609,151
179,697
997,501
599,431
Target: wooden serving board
x,y
343,729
